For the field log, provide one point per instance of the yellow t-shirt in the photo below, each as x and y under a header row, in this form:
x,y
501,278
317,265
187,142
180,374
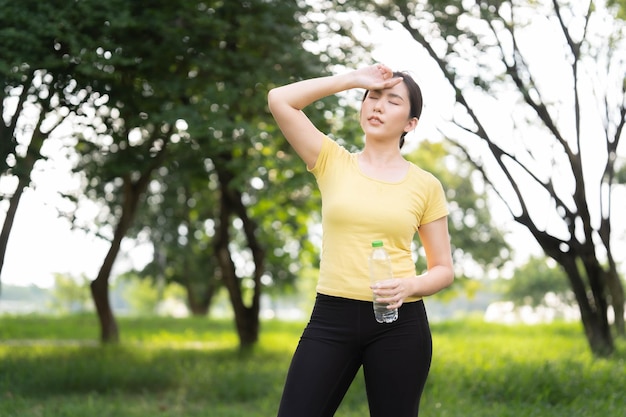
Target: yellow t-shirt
x,y
357,210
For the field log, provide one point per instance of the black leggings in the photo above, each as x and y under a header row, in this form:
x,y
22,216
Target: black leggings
x,y
341,336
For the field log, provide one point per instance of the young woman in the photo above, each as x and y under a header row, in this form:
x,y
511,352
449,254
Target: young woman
x,y
372,195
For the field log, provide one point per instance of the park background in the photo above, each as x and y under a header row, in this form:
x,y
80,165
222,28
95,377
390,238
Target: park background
x,y
168,338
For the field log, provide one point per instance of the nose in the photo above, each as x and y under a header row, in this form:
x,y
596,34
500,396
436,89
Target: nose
x,y
378,106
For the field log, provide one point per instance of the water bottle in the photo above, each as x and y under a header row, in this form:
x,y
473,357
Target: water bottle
x,y
380,270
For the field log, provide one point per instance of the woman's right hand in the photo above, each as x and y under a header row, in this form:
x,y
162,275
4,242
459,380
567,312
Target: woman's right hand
x,y
375,77
286,104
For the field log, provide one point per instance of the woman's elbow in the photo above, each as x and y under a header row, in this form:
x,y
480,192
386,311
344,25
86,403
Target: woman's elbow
x,y
448,277
271,98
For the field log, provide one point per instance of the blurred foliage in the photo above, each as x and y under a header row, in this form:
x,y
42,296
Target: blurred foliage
x,y
620,5
146,297
476,240
479,248
70,295
620,175
533,280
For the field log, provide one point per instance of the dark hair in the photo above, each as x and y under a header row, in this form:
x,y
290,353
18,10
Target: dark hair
x,y
415,97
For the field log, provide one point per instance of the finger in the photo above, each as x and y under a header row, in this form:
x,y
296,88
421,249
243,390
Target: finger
x,y
388,283
394,81
385,71
390,298
386,84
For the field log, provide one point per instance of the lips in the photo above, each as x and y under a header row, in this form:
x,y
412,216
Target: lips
x,y
374,120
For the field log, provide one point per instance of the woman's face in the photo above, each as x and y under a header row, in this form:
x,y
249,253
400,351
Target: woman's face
x,y
385,113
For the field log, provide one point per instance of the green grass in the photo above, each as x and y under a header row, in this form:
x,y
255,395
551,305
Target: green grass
x,y
192,367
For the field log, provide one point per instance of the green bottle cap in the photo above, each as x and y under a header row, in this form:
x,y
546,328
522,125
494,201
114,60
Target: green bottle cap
x,y
377,244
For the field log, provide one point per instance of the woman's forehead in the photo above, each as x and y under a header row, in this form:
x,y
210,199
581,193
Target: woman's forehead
x,y
399,90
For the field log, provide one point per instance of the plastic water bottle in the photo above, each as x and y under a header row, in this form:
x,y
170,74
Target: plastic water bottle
x,y
380,270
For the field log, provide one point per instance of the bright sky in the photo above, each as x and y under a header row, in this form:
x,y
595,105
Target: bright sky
x,y
41,244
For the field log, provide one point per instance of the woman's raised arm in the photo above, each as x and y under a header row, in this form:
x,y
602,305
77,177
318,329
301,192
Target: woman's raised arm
x,y
286,104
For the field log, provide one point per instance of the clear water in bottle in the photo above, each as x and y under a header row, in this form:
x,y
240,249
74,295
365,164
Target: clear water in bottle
x,y
380,270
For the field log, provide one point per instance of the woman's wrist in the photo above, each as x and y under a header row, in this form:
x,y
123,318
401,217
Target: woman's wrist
x,y
415,286
346,81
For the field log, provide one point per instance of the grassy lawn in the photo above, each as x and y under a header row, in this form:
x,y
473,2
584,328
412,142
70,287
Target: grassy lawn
x,y
191,367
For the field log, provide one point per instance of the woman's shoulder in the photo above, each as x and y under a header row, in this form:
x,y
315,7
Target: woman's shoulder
x,y
331,152
420,173
337,149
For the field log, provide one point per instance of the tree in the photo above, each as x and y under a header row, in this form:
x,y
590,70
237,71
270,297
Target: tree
x,y
119,91
178,221
553,166
66,75
138,110
478,245
247,155
152,90
40,87
216,164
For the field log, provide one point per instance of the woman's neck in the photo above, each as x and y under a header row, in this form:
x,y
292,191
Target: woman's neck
x,y
382,154
383,163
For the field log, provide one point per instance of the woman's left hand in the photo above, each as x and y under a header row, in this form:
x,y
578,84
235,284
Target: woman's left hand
x,y
393,291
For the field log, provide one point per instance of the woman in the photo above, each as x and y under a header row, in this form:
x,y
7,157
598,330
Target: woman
x,y
372,195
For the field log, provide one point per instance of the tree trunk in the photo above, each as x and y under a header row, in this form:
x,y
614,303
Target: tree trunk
x,y
598,334
131,195
199,295
616,289
246,317
197,309
248,326
23,171
9,219
593,308
109,332
199,304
